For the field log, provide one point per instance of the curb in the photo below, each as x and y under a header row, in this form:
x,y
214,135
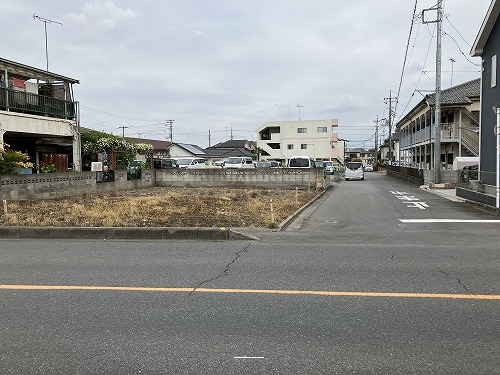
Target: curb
x,y
292,217
161,233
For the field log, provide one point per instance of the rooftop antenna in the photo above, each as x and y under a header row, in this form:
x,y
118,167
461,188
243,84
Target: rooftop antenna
x,y
45,21
299,107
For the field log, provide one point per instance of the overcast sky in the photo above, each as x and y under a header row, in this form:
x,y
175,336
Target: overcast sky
x,y
233,64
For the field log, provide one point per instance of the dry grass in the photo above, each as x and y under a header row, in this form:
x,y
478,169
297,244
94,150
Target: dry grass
x,y
161,207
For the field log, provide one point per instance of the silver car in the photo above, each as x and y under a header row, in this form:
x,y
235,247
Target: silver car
x,y
354,171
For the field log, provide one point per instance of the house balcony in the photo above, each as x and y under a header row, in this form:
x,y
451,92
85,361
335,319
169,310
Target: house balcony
x,y
40,105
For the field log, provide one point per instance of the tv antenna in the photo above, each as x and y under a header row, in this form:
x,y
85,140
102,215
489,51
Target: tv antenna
x,y
45,21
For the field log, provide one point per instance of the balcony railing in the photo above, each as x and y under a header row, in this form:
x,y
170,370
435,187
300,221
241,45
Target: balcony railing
x,y
450,132
24,102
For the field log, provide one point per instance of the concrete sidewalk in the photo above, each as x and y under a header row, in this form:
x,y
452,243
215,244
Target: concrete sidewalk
x,y
450,194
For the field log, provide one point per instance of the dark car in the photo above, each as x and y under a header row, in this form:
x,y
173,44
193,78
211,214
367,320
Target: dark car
x,y
165,163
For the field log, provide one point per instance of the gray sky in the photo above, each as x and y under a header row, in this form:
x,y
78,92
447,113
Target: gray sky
x,y
232,64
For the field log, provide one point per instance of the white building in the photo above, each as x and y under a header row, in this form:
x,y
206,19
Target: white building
x,y
318,139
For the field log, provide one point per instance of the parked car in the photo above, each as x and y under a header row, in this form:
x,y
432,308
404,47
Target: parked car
x,y
191,162
354,171
368,168
275,164
240,162
262,164
319,164
165,163
300,162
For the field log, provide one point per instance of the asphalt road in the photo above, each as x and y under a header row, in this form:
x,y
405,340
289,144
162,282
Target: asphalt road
x,y
354,286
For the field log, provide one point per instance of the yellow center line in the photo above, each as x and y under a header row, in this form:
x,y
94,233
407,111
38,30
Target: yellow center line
x,y
255,291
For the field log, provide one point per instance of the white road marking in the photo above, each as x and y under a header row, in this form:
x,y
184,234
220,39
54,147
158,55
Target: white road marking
x,y
248,357
447,221
420,205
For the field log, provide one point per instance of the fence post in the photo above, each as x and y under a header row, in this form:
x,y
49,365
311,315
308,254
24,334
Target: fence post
x,y
6,214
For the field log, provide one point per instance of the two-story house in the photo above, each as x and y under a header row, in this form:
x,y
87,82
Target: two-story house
x,y
38,115
366,156
318,139
460,107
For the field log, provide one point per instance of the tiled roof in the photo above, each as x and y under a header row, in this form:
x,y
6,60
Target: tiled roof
x,y
157,145
225,153
459,94
233,143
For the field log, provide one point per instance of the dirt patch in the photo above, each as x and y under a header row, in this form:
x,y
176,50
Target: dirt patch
x,y
162,207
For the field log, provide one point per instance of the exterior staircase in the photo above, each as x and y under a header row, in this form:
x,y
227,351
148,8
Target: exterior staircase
x,y
469,134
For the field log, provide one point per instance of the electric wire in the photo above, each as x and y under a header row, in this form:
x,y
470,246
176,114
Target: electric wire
x,y
406,55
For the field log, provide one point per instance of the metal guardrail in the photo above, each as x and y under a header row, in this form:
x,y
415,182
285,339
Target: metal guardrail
x,y
24,102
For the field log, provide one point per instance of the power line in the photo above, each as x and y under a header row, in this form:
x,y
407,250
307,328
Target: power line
x,y
454,28
422,72
406,52
120,116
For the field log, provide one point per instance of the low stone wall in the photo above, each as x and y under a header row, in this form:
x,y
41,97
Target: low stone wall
x,y
447,176
281,178
58,185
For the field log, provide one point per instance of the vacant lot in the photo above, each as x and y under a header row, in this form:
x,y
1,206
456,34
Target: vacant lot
x,y
162,207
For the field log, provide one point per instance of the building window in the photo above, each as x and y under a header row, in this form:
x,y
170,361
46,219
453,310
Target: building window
x,y
303,146
322,129
289,147
301,130
493,71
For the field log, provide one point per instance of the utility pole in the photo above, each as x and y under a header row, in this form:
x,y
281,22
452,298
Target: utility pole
x,y
437,104
231,133
376,143
389,101
45,21
209,138
170,124
123,130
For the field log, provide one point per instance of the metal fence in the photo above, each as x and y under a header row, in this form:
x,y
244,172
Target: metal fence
x,y
25,102
410,174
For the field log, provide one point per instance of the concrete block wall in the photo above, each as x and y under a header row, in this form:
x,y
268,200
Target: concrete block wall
x,y
58,185
447,176
45,186
281,178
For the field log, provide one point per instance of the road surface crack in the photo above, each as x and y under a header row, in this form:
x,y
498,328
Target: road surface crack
x,y
464,286
459,281
225,272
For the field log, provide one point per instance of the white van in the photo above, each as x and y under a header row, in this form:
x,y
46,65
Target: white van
x,y
300,162
354,171
241,162
191,162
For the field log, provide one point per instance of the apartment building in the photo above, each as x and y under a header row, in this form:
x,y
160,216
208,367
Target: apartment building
x,y
318,139
460,106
